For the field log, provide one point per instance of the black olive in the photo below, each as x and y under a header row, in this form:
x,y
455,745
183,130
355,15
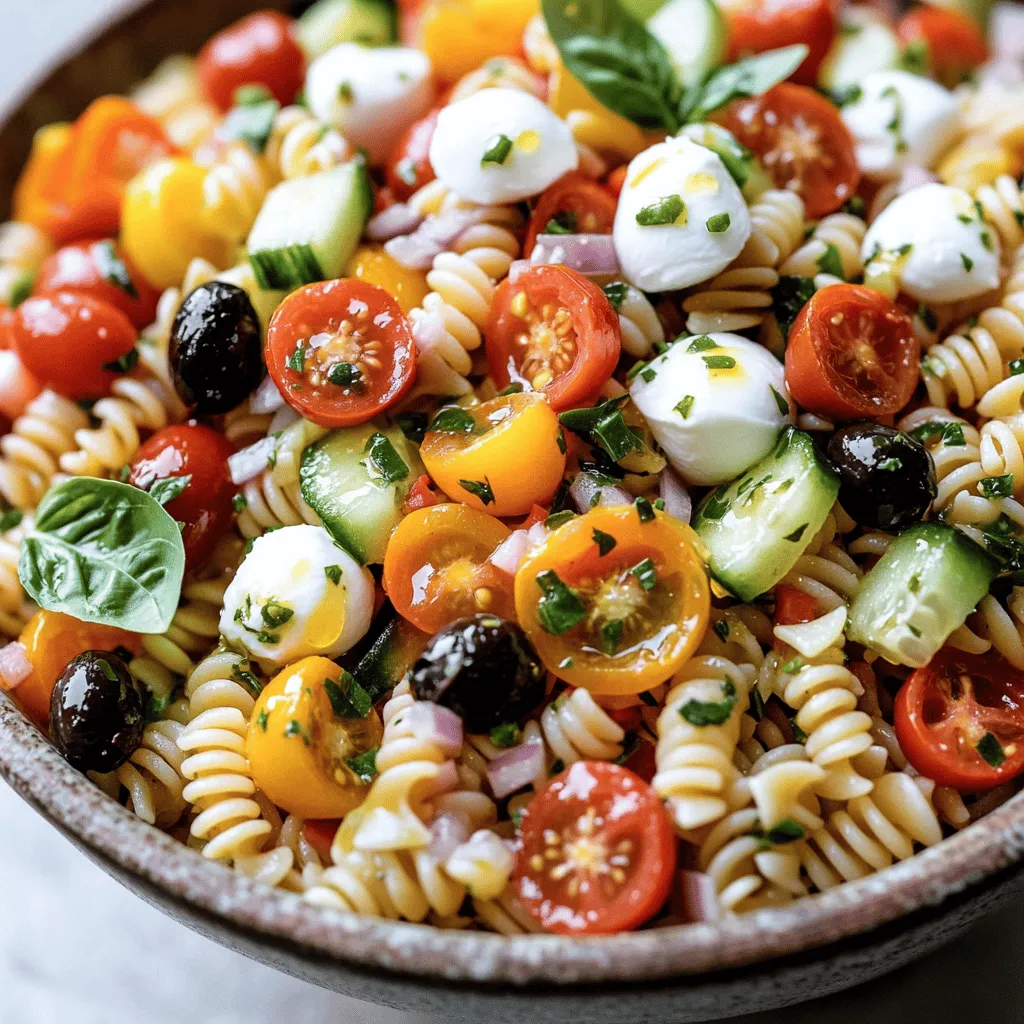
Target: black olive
x,y
482,668
96,717
887,478
216,349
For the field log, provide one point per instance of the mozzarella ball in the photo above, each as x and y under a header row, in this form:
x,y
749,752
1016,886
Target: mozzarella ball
x,y
681,217
501,146
297,594
900,120
716,404
370,95
937,244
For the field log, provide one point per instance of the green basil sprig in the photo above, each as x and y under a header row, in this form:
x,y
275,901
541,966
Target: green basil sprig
x,y
104,552
627,69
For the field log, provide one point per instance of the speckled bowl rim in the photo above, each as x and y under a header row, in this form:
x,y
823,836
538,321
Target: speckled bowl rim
x,y
37,772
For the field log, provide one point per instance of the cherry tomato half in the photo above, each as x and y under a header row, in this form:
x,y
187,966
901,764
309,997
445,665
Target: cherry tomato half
x,y
259,49
802,143
759,25
793,606
408,167
597,852
955,43
205,505
612,603
72,343
100,269
556,332
960,720
340,352
573,205
852,354
436,568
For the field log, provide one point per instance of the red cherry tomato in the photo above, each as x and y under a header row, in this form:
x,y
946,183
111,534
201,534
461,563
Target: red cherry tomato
x,y
17,387
6,328
100,269
72,343
259,49
852,354
420,495
320,833
597,852
573,205
960,721
363,359
408,168
616,181
802,143
205,505
759,25
793,606
555,331
642,761
955,44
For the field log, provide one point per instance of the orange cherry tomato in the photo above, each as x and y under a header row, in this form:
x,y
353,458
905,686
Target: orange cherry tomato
x,y
408,167
852,354
573,205
793,606
436,568
72,343
52,639
802,143
100,269
555,332
612,603
625,877
340,352
259,49
955,43
758,25
960,720
616,181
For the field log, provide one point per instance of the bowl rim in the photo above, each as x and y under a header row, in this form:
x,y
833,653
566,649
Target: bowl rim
x,y
34,769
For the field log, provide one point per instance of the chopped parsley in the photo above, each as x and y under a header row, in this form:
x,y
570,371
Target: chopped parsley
x,y
168,488
239,502
453,420
611,634
262,719
991,750
497,151
605,542
646,573
275,614
967,261
348,699
616,293
297,360
364,766
480,488
684,405
505,735
644,509
665,211
830,262
385,459
333,573
125,363
702,713
345,375
561,224
997,486
719,362
718,223
560,607
112,268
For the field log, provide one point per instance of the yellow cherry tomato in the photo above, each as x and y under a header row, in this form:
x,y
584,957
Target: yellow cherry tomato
x,y
164,224
502,456
971,165
301,746
407,287
616,600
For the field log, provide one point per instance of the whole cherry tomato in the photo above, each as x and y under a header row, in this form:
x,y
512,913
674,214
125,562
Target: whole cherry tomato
x,y
198,456
408,168
955,44
573,205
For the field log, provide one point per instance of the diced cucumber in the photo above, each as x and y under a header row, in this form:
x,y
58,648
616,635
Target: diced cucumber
x,y
863,44
309,227
343,485
755,528
330,22
382,667
641,9
922,589
741,163
694,33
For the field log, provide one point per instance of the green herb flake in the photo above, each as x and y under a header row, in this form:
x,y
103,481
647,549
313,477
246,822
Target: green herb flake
x,y
125,363
997,486
927,317
262,719
684,405
991,750
348,699
480,488
701,344
345,375
567,663
797,535
611,634
333,573
497,152
646,573
668,210
1016,367
790,296
890,465
413,425
385,459
251,123
506,735
798,734
967,261
779,401
453,420
605,542
168,488
297,360
986,240
275,614
616,293
719,362
704,713
553,522
560,607
953,435
239,502
644,509
792,667
914,631
561,224
830,262
718,223
364,766
647,375
615,436
245,677
786,831
10,518
756,705
721,628
295,728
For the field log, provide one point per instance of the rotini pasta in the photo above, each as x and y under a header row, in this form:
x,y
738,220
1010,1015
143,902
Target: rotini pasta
x,y
23,247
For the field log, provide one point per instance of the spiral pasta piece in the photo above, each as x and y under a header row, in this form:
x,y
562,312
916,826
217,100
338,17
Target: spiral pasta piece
x,y
958,467
172,95
300,145
825,570
1004,626
834,244
152,776
269,506
777,228
1002,206
23,248
15,609
499,73
639,324
233,192
577,728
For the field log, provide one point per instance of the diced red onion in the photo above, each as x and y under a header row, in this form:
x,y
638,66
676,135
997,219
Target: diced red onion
x,y
587,493
15,667
396,220
1007,35
436,724
590,255
678,502
510,552
448,832
266,398
695,898
515,768
418,250
537,534
247,464
516,270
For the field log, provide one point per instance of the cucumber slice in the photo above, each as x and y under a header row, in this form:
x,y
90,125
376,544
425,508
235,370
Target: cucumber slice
x,y
694,33
330,22
862,45
924,587
343,485
641,9
755,528
309,227
741,163
393,653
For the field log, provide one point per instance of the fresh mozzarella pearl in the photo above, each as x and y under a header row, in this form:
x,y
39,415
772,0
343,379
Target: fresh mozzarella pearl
x,y
953,254
712,226
900,120
293,569
371,95
542,147
714,423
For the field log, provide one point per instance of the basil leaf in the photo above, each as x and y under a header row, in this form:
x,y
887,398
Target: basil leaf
x,y
751,76
104,552
616,59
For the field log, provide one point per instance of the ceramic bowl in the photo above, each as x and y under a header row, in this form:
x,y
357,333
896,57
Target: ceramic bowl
x,y
700,972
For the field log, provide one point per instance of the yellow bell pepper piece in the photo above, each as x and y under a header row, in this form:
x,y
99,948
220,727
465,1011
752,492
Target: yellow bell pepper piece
x,y
372,264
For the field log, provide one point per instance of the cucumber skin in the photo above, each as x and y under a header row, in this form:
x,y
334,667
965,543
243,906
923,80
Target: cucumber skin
x,y
393,653
966,582
778,557
318,28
